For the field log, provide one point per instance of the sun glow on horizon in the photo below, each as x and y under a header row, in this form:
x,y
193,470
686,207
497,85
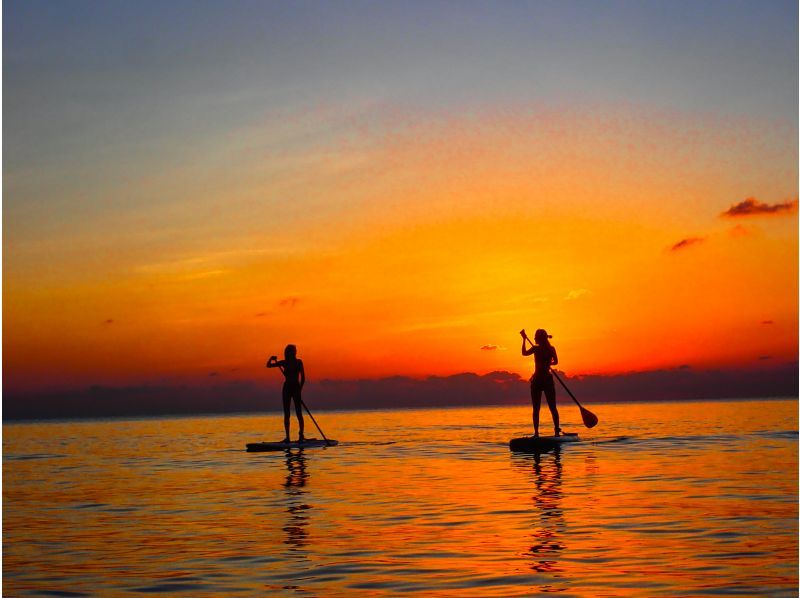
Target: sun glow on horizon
x,y
386,239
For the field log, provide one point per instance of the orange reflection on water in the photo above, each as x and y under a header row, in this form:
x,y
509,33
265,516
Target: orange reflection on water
x,y
669,499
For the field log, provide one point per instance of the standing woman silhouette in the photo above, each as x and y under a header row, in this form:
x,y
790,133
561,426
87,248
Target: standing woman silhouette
x,y
544,355
292,369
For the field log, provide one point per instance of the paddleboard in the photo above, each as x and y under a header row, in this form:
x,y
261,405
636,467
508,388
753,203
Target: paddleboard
x,y
541,443
260,447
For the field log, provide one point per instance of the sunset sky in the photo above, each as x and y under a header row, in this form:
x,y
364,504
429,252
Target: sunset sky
x,y
396,187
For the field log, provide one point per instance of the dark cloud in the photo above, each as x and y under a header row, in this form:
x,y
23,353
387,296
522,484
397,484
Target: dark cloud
x,y
752,207
684,243
109,321
490,348
212,374
495,388
261,314
764,357
767,322
138,401
289,302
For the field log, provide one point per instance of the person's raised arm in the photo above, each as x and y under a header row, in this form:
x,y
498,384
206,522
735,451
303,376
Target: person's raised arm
x,y
273,362
525,352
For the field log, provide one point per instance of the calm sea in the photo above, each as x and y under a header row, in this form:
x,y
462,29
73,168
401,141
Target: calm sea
x,y
662,499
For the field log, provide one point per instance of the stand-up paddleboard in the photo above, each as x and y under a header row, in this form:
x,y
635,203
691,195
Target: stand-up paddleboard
x,y
533,444
260,447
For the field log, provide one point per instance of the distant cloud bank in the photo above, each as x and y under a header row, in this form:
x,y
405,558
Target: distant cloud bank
x,y
752,207
468,389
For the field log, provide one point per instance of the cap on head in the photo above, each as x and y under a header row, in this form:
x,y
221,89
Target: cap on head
x,y
290,352
541,334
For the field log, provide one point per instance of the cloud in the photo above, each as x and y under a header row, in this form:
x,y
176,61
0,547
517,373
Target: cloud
x,y
212,374
492,348
495,388
289,302
204,274
767,322
576,293
109,321
687,242
261,314
764,357
752,207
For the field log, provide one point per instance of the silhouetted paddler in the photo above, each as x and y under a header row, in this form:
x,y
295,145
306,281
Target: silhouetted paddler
x,y
295,375
544,355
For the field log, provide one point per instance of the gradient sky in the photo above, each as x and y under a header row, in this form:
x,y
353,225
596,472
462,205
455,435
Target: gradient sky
x,y
397,187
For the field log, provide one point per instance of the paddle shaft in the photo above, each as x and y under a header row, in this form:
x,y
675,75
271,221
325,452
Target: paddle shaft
x,y
567,389
313,420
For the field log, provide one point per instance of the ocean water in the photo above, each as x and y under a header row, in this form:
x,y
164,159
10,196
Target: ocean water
x,y
661,499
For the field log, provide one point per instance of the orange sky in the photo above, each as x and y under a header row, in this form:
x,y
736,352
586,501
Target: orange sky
x,y
388,241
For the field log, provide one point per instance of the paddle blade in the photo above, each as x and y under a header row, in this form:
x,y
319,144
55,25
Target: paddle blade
x,y
589,418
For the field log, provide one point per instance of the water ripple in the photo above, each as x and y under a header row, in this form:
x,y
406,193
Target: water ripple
x,y
639,508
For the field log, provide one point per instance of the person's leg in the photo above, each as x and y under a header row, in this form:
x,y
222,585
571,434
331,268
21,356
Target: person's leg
x,y
550,395
536,399
286,413
298,409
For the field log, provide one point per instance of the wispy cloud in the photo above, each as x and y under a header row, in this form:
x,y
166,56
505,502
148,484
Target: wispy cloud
x,y
492,348
687,242
211,261
752,207
576,293
767,322
205,274
464,320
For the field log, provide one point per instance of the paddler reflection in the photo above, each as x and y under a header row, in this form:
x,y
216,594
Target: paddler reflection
x,y
549,525
296,506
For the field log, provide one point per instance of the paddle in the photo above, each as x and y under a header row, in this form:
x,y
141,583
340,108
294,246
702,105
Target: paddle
x,y
327,442
589,418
